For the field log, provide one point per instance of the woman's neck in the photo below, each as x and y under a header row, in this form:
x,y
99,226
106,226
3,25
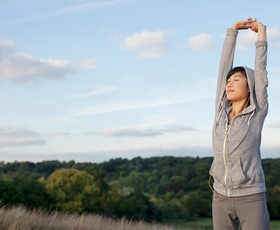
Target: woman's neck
x,y
237,108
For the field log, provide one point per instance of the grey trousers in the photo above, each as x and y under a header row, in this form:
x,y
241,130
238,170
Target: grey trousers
x,y
248,211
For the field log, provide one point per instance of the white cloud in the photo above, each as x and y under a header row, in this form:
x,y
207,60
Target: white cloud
x,y
23,67
13,137
275,125
132,132
200,42
6,46
150,44
178,128
247,39
273,36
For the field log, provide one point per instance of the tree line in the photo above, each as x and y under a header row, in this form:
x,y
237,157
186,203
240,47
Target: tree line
x,y
152,189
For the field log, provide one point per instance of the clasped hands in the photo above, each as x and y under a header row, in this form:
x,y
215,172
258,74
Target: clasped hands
x,y
250,23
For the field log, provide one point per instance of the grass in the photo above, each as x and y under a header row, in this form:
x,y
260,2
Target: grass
x,y
18,218
275,225
201,224
206,224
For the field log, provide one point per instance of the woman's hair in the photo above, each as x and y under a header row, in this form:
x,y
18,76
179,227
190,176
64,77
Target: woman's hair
x,y
235,70
243,72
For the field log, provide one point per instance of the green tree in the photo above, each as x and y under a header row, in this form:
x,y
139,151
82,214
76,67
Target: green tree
x,y
72,190
137,206
136,181
9,193
20,190
98,175
197,203
32,193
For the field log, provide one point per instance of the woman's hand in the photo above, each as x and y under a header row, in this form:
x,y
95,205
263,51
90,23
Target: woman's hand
x,y
253,25
242,25
256,26
259,28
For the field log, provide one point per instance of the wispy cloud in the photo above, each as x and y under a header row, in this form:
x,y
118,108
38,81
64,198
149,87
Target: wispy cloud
x,y
154,151
24,67
126,132
96,91
121,106
149,44
202,41
67,10
13,137
154,98
132,132
144,152
126,153
55,134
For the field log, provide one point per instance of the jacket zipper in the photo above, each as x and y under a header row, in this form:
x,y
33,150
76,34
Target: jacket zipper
x,y
226,155
225,158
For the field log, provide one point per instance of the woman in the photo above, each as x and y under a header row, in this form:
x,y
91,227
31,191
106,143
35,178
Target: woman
x,y
241,107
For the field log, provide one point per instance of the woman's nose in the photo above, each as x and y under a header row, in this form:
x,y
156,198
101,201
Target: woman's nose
x,y
229,84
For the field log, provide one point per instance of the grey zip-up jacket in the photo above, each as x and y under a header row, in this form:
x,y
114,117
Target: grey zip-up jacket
x,y
237,168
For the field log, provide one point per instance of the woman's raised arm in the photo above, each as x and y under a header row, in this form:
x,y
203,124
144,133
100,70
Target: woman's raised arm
x,y
261,80
227,56
260,29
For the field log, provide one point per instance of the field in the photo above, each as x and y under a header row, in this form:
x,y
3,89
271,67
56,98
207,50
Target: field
x,y
202,224
206,224
18,218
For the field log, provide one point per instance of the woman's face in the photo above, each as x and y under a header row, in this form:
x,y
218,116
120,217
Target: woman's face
x,y
237,87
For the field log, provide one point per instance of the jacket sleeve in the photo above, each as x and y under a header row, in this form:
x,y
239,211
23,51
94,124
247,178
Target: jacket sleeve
x,y
226,63
261,80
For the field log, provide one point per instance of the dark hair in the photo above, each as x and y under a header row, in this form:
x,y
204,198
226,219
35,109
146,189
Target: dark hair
x,y
235,70
243,72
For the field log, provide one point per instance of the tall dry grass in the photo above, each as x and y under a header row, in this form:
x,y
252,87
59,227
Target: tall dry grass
x,y
19,218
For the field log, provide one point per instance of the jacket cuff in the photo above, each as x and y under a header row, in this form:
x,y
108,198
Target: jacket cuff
x,y
231,31
261,43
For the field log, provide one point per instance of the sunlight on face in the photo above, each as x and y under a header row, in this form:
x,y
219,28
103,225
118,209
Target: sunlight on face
x,y
237,87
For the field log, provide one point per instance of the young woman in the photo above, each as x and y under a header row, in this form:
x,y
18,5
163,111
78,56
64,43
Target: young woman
x,y
241,107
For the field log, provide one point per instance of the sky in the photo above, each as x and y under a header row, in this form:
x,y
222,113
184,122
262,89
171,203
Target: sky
x,y
93,80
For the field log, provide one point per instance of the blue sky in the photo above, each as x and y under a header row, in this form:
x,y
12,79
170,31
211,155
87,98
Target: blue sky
x,y
95,80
